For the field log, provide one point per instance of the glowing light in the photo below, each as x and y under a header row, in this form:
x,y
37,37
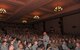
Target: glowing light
x,y
24,21
58,8
36,17
2,11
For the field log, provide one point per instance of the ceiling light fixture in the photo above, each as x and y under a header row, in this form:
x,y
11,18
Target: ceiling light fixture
x,y
36,17
2,11
24,21
58,7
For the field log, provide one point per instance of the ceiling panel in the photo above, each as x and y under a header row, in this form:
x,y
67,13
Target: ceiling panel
x,y
19,10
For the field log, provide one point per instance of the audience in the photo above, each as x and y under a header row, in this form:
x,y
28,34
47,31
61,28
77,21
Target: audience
x,y
38,42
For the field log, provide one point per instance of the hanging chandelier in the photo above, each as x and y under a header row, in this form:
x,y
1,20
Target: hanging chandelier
x,y
24,21
36,17
58,8
2,11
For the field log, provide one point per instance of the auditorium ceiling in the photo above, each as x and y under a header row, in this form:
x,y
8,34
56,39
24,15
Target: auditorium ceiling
x,y
19,10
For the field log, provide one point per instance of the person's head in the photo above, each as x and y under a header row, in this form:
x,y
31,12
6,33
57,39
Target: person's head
x,y
36,42
41,47
77,44
70,41
5,39
50,41
25,42
64,42
19,41
44,33
14,39
74,41
53,41
10,38
29,44
48,46
4,42
12,42
0,37
20,46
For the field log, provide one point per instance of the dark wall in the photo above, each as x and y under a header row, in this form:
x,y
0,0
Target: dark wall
x,y
71,24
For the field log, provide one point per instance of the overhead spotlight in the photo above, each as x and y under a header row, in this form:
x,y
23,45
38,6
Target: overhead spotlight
x,y
36,17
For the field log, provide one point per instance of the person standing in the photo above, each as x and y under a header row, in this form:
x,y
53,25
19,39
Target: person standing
x,y
45,39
